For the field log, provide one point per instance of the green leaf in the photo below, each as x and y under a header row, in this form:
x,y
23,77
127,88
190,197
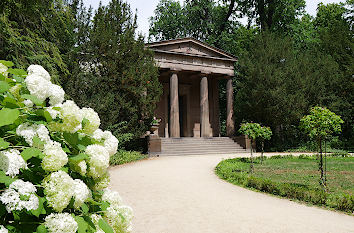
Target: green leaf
x,y
41,229
79,157
81,147
104,206
30,152
10,102
37,141
3,144
45,114
4,86
105,226
40,210
89,222
82,224
8,116
5,179
85,122
18,72
32,98
7,63
85,208
71,138
65,169
18,78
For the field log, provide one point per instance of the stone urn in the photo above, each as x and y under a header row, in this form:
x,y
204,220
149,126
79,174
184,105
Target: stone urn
x,y
154,128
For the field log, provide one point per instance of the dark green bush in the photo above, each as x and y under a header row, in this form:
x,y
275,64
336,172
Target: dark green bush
x,y
123,156
345,203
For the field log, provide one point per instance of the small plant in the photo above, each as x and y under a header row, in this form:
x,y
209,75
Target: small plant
x,y
254,131
155,121
320,124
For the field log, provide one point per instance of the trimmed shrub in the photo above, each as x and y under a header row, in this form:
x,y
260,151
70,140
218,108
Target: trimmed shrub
x,y
236,171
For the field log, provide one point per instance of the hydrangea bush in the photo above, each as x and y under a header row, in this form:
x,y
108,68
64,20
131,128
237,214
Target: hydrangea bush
x,y
53,160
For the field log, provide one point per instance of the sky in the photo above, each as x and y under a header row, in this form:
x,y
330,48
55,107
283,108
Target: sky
x,y
146,9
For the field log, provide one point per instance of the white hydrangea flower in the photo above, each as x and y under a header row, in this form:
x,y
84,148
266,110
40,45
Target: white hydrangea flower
x,y
39,71
2,228
102,182
54,113
15,90
28,103
38,86
3,70
60,223
93,118
81,193
58,188
81,167
112,197
55,157
119,218
11,162
56,95
71,116
98,160
110,142
28,131
20,195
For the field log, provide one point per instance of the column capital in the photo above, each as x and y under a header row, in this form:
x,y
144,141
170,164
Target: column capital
x,y
204,74
175,70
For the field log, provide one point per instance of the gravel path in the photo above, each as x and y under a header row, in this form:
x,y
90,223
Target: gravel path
x,y
183,195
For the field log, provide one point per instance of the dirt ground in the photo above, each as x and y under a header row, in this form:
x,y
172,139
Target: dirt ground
x,y
182,194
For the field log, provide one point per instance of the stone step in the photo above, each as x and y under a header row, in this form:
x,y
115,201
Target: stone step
x,y
199,146
200,153
202,147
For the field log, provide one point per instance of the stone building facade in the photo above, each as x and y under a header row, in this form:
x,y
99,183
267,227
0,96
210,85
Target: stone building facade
x,y
189,72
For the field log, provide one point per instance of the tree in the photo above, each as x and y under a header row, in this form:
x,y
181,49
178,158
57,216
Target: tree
x,y
320,124
274,15
115,73
37,32
277,84
252,130
334,29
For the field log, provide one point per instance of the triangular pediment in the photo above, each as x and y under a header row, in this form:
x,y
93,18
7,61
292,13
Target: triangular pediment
x,y
191,47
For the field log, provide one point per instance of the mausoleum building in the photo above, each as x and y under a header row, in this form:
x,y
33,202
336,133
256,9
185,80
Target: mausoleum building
x,y
189,72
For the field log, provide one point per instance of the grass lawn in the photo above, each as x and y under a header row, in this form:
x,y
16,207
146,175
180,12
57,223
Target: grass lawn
x,y
296,178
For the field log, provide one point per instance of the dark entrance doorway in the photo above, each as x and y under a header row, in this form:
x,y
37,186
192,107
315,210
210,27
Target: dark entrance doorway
x,y
182,101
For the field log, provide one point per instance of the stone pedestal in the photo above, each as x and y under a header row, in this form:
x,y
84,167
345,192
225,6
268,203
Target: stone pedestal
x,y
230,124
204,108
174,112
154,144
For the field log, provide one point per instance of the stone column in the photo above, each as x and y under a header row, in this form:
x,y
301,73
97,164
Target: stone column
x,y
174,111
204,108
230,124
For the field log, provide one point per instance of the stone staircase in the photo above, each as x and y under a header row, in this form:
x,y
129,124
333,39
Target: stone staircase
x,y
199,146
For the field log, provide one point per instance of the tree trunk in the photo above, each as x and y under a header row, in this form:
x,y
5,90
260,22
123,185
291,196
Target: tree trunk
x,y
321,163
262,152
251,166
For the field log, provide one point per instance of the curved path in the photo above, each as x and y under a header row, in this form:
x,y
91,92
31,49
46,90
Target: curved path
x,y
183,195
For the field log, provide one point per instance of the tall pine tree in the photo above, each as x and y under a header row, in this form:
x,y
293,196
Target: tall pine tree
x,y
115,74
